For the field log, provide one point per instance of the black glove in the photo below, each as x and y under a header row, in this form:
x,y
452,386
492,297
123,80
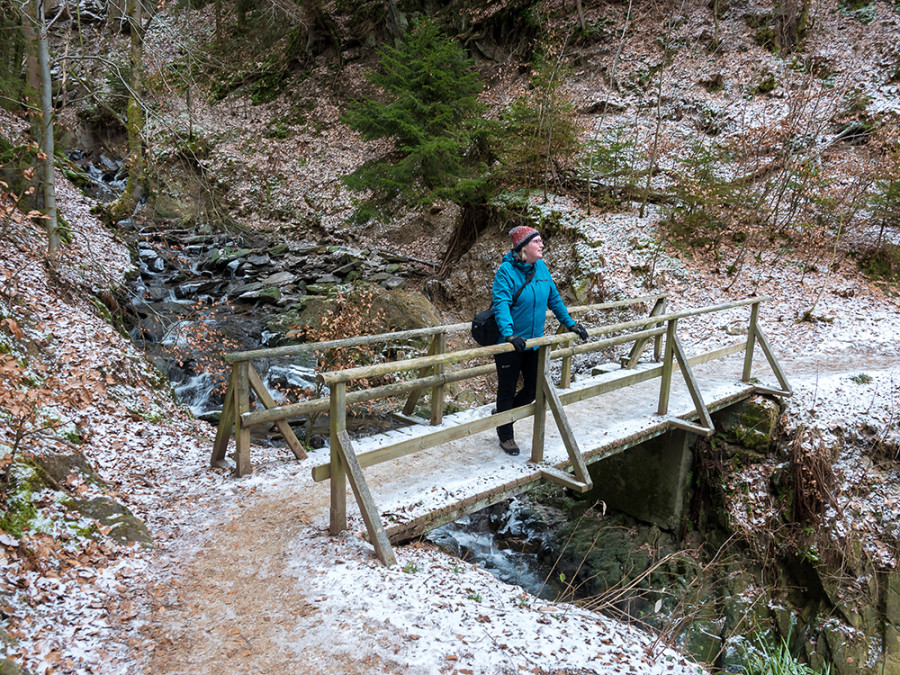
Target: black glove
x,y
580,331
517,342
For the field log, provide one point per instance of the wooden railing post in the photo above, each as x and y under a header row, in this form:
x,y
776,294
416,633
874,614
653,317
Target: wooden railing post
x,y
241,430
665,384
565,378
751,341
439,346
226,424
663,304
338,426
540,405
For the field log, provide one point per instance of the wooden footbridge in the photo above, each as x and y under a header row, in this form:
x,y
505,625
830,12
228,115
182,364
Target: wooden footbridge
x,y
589,423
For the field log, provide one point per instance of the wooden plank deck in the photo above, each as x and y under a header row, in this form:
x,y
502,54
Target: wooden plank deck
x,y
471,473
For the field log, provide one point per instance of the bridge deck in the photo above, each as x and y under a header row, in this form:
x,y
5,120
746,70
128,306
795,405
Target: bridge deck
x,y
435,486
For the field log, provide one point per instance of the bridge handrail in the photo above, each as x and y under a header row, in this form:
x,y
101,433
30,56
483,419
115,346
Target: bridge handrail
x,y
293,350
409,386
380,369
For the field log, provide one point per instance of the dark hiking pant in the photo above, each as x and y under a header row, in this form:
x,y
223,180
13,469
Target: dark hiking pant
x,y
509,366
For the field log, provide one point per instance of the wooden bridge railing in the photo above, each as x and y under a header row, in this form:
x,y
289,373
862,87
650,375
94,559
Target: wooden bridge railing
x,y
237,414
345,465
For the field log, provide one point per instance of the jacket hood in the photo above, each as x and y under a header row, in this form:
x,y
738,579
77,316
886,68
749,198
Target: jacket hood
x,y
510,257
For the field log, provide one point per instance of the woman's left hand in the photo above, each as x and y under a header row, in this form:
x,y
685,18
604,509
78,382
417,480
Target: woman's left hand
x,y
580,331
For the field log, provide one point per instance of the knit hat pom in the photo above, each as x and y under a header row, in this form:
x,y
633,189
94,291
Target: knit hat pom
x,y
521,235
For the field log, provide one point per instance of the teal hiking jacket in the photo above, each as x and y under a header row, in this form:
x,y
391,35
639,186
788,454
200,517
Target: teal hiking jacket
x,y
525,318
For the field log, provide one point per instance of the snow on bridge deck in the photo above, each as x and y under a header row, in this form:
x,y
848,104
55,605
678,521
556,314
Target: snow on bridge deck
x,y
432,487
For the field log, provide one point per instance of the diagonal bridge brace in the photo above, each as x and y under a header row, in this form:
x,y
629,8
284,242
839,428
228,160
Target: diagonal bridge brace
x,y
547,396
675,350
754,335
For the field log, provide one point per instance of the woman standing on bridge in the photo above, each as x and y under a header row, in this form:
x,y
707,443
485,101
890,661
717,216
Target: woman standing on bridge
x,y
520,316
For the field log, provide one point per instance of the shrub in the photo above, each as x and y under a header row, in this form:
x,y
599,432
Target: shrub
x,y
611,159
539,130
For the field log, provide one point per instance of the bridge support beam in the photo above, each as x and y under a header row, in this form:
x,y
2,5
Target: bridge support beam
x,y
649,481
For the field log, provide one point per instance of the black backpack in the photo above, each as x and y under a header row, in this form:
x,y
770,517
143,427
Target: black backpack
x,y
484,325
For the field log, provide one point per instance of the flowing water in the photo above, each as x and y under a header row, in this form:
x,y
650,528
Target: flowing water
x,y
507,542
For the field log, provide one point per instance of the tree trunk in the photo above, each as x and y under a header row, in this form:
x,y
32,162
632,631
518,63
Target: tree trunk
x,y
134,117
12,52
655,143
47,149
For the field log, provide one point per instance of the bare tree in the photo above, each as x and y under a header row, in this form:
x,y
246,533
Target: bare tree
x,y
41,45
134,124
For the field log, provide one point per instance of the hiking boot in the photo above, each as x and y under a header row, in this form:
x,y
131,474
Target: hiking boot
x,y
509,447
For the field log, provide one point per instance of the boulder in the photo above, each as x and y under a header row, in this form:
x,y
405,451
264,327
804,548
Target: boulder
x,y
270,295
605,105
10,667
751,424
59,467
378,310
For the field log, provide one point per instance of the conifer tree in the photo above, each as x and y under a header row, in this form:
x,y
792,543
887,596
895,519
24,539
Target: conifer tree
x,y
430,108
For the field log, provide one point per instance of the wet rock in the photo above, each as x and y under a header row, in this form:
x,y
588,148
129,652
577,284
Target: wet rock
x,y
247,287
223,257
189,290
279,279
259,260
279,250
169,307
269,295
328,279
156,293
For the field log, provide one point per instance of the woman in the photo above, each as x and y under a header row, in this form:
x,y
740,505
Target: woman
x,y
522,318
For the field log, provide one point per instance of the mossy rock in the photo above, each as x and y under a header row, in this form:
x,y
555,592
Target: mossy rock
x,y
124,526
58,468
767,84
702,640
745,612
751,424
10,667
848,650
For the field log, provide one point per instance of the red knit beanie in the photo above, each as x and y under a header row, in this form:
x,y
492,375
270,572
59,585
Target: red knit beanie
x,y
521,235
